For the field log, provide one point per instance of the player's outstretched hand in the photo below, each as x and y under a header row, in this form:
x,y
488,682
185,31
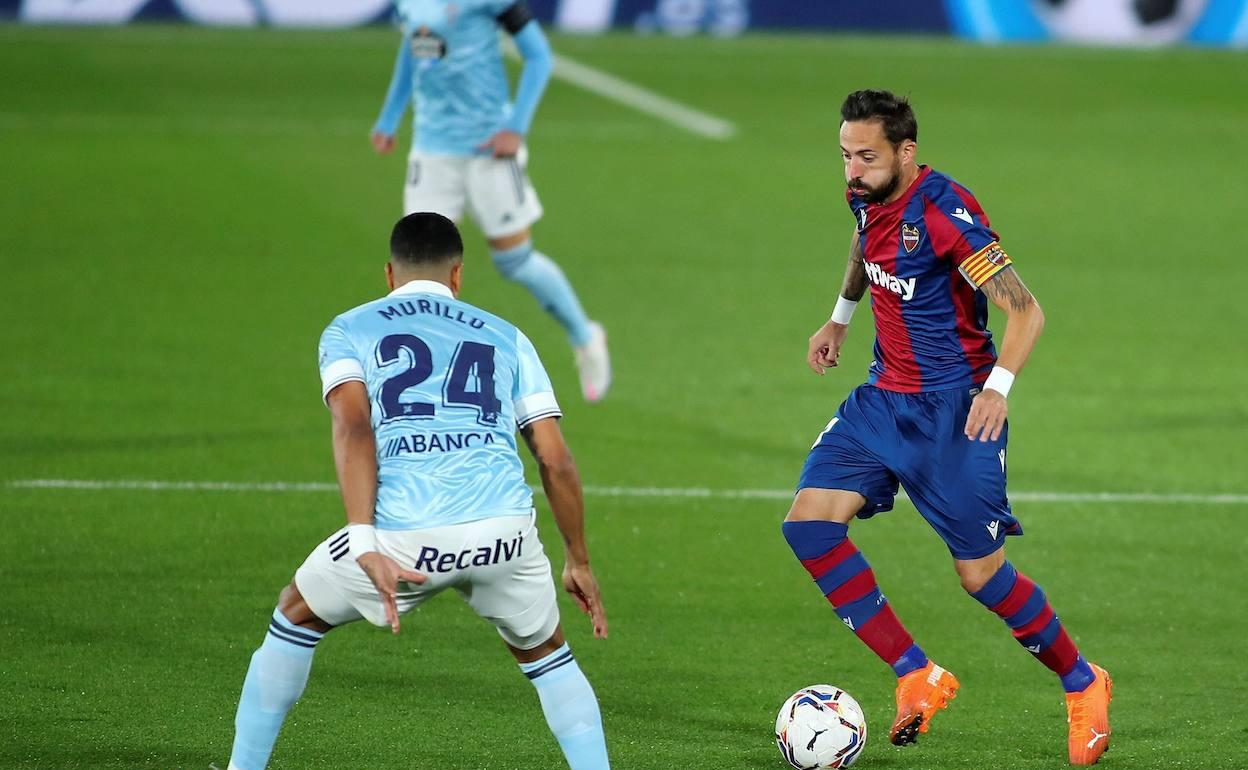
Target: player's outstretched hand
x,y
825,346
987,416
503,144
382,143
386,574
579,581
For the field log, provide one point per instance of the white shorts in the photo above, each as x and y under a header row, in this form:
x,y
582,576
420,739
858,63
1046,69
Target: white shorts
x,y
497,565
497,191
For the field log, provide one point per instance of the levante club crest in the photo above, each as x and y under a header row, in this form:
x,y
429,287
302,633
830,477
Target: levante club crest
x,y
909,236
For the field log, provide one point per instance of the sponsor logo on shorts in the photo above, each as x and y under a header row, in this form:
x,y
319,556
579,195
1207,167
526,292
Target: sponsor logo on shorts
x,y
430,559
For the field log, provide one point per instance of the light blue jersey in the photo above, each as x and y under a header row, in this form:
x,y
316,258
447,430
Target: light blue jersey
x,y
450,63
449,385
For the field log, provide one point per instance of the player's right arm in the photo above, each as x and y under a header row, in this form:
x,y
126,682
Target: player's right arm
x,y
562,485
397,97
515,17
537,414
825,344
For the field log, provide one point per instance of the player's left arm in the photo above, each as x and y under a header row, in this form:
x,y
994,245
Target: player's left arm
x,y
1024,322
355,459
355,450
539,62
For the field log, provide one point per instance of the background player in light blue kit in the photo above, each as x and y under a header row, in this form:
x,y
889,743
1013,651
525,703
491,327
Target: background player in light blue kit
x,y
468,148
426,394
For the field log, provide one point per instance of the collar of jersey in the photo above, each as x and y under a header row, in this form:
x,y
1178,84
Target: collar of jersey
x,y
420,286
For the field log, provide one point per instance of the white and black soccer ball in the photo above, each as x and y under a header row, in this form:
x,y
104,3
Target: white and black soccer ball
x,y
820,727
1120,22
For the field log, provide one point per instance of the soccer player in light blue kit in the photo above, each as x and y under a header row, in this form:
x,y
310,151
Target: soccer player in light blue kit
x,y
469,150
426,393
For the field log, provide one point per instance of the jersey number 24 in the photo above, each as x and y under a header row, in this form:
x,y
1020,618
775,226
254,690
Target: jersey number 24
x,y
470,358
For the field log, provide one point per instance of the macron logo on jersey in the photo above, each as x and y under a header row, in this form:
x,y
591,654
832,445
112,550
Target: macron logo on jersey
x,y
881,277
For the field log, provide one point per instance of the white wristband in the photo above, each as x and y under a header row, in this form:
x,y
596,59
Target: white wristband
x,y
361,539
1000,380
843,311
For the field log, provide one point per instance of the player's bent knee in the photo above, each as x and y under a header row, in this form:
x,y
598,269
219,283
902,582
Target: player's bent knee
x,y
970,583
553,642
511,241
839,505
974,574
295,608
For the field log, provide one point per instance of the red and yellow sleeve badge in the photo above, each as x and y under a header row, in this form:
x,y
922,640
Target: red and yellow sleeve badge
x,y
984,264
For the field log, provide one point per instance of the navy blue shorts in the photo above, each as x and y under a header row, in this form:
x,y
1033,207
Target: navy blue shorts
x,y
879,438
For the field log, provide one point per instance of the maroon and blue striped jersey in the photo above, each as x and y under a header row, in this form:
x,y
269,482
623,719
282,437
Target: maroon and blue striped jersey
x,y
926,255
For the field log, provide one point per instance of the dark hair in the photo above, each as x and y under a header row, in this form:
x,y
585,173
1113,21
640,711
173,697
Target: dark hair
x,y
424,239
891,110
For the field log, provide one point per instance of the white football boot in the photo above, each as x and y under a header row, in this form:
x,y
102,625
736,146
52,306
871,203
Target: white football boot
x,y
593,363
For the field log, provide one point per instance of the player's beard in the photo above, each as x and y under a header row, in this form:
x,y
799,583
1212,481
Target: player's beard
x,y
879,194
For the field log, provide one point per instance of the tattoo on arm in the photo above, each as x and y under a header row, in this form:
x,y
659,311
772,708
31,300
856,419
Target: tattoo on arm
x,y
855,273
1007,289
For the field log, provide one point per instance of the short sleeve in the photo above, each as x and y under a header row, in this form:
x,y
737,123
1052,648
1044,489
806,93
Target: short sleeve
x,y
534,396
960,232
338,360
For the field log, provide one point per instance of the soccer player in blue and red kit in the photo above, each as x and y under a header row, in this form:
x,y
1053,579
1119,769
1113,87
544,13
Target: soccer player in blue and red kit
x,y
931,417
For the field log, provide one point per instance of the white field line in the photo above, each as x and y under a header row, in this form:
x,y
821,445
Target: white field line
x,y
705,493
641,99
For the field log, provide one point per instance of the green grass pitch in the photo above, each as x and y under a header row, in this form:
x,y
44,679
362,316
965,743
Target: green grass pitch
x,y
183,210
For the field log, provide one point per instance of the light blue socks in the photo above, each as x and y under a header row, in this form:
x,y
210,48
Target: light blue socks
x,y
279,670
543,278
571,709
275,680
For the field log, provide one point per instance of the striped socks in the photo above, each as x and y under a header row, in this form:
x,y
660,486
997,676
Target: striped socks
x,y
571,709
1024,608
275,680
845,578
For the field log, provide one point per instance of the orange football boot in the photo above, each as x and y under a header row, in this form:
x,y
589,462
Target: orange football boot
x,y
920,694
1088,715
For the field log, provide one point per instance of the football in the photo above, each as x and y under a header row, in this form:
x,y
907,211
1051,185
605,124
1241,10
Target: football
x,y
819,727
